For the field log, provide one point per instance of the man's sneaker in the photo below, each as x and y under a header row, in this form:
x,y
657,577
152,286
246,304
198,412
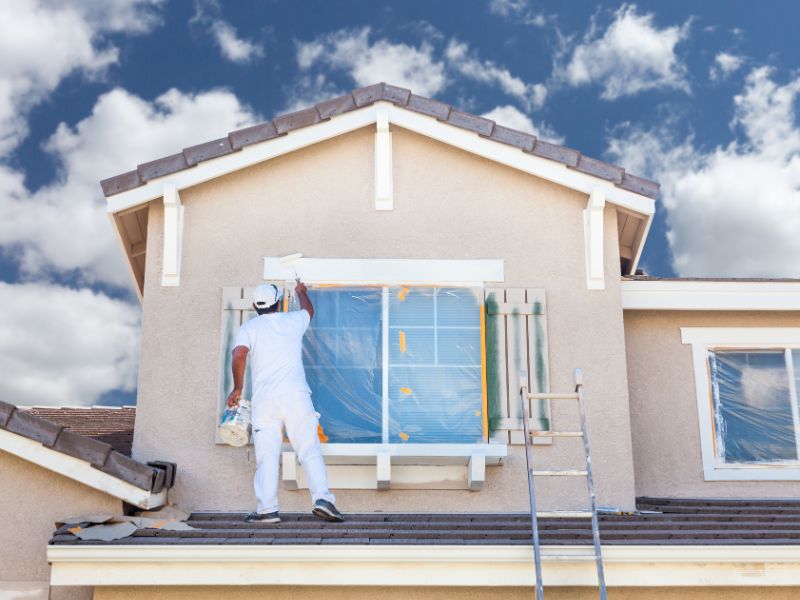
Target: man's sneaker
x,y
272,517
326,510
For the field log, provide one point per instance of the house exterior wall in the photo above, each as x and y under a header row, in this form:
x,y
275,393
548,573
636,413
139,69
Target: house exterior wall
x,y
444,593
33,499
664,422
319,201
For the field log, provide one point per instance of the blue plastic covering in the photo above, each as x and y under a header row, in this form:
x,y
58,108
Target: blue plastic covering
x,y
753,409
434,366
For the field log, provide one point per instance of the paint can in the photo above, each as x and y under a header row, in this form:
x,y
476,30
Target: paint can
x,y
234,428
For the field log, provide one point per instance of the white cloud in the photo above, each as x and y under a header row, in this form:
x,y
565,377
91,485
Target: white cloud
x,y
64,346
234,48
462,60
368,62
734,210
63,227
307,90
45,41
518,10
511,116
633,55
724,65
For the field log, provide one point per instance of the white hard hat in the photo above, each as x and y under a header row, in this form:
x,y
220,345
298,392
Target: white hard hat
x,y
266,295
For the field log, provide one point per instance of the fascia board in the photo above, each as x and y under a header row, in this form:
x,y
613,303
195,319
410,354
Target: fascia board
x,y
645,566
402,117
710,295
248,156
77,470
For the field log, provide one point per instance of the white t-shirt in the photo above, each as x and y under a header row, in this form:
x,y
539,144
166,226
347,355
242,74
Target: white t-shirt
x,y
275,343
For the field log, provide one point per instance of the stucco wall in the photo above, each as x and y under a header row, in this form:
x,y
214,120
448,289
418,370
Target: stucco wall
x,y
33,499
416,593
448,204
666,434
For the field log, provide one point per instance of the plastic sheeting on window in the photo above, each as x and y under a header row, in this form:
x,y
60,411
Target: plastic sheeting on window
x,y
754,415
433,372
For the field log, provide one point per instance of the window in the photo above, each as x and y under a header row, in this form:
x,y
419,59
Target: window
x,y
747,383
397,364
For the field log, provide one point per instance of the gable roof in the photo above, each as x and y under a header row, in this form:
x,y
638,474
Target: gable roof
x,y
281,125
85,459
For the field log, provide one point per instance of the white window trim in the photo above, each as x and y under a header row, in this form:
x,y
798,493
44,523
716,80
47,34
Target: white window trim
x,y
387,271
703,339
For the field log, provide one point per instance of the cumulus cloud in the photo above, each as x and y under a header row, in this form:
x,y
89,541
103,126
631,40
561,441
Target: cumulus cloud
x,y
369,62
63,227
724,64
463,60
631,56
46,41
64,346
511,116
733,210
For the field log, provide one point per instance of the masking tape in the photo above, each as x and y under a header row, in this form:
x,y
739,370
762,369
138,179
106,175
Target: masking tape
x,y
406,390
402,341
401,295
321,434
403,436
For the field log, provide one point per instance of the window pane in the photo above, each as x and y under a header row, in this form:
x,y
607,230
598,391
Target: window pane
x,y
753,411
342,358
435,388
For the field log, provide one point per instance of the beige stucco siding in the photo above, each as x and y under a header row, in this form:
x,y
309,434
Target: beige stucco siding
x,y
319,201
417,593
33,499
666,435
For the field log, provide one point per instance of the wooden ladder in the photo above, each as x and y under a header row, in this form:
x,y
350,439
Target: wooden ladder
x,y
525,398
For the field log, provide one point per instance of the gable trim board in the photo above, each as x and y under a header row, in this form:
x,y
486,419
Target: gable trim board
x,y
79,470
423,116
711,295
406,565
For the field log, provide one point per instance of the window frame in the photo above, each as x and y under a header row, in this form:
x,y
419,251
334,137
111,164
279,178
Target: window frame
x,y
705,339
385,351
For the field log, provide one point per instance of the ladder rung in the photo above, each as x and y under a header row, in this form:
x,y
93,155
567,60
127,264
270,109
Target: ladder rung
x,y
566,557
546,396
557,433
565,514
560,473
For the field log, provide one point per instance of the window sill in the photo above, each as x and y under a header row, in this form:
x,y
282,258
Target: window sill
x,y
753,473
400,466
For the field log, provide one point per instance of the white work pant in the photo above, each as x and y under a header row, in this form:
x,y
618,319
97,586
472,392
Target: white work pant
x,y
296,412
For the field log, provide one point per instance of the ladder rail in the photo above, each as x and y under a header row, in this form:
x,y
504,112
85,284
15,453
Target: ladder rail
x,y
578,395
537,553
601,578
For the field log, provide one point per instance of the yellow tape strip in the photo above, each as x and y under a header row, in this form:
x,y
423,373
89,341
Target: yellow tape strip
x,y
484,386
406,390
401,295
403,436
402,341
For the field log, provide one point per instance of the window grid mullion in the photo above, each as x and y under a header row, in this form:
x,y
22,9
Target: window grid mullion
x,y
793,399
385,365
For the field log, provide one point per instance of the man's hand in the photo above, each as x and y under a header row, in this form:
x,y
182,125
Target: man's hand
x,y
233,398
300,288
302,295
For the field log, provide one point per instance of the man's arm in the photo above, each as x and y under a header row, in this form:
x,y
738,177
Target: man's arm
x,y
305,302
238,365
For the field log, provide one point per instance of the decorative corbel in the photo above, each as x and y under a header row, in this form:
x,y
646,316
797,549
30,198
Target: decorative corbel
x,y
384,193
173,237
593,239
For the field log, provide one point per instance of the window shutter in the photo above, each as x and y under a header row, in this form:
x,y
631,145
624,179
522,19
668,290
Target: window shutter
x,y
516,338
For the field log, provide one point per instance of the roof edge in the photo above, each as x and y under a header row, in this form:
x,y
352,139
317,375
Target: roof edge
x,y
359,98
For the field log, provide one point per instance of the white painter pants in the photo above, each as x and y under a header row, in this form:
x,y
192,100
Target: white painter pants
x,y
295,412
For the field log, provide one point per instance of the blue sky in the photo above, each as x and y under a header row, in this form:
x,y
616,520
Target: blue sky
x,y
700,96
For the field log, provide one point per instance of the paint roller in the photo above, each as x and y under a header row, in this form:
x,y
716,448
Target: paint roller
x,y
289,261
